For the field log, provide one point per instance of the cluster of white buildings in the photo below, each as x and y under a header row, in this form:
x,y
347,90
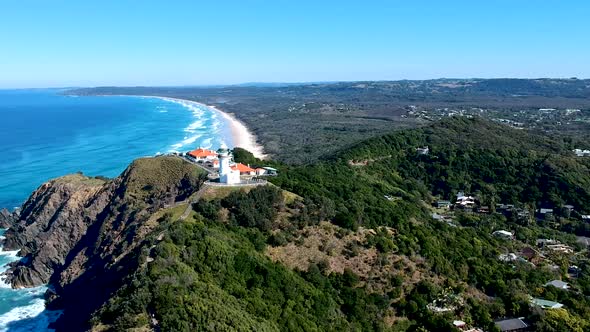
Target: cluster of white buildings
x,y
581,153
465,201
229,171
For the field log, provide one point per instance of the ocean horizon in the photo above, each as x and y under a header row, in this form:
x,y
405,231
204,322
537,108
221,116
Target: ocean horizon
x,y
46,134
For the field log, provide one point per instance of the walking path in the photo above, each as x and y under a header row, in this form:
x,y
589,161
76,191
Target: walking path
x,y
197,196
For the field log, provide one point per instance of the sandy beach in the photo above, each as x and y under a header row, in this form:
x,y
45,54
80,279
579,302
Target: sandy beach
x,y
241,136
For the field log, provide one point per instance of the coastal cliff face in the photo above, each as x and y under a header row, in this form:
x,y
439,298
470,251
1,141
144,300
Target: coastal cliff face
x,y
76,230
52,220
6,218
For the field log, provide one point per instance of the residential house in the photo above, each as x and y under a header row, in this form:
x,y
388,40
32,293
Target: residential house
x,y
503,234
437,216
581,153
504,207
586,217
512,325
561,248
271,170
511,257
558,284
423,151
459,324
546,304
465,202
543,242
545,214
483,209
532,255
442,204
568,208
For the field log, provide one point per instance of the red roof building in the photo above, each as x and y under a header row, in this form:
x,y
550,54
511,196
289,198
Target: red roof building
x,y
245,170
201,153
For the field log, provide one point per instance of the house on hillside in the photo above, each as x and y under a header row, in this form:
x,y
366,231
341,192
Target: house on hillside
x,y
581,153
465,202
543,242
423,151
271,170
442,204
532,255
483,209
503,234
512,325
560,248
586,217
545,214
568,208
546,304
558,284
511,257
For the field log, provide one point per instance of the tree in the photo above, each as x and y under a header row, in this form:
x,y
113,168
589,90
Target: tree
x,y
555,320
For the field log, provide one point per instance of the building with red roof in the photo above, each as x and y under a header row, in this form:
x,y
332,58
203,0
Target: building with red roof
x,y
243,169
203,154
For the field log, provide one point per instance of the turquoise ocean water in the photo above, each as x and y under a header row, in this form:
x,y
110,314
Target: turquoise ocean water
x,y
45,134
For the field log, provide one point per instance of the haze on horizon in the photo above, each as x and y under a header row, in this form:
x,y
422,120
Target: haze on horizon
x,y
72,43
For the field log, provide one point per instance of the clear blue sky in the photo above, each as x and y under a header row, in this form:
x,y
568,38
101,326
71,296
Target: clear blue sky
x,y
78,43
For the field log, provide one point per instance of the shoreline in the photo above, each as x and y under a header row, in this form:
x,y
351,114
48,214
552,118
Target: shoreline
x,y
241,135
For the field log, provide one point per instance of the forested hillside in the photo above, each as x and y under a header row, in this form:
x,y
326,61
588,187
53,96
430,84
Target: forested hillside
x,y
350,242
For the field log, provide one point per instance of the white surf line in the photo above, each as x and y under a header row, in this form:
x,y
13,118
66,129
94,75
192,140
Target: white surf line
x,y
241,135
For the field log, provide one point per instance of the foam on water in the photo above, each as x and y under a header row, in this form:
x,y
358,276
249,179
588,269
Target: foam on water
x,y
22,309
206,128
32,317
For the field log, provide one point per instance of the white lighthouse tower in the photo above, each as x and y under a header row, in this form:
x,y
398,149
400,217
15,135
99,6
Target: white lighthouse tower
x,y
226,174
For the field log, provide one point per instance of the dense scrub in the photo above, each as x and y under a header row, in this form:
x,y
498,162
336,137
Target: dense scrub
x,y
211,273
499,164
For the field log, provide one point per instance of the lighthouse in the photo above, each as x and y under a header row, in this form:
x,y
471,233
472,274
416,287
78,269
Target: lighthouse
x,y
226,174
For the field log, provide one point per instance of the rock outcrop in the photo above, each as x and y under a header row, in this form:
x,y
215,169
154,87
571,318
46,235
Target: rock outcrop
x,y
52,220
80,234
7,219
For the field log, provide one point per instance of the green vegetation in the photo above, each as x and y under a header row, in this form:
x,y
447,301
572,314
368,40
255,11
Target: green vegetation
x,y
207,276
147,176
213,271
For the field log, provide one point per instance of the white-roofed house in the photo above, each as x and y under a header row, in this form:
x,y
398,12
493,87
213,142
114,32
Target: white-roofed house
x,y
558,284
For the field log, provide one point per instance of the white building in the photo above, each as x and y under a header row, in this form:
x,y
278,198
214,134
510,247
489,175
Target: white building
x,y
503,234
582,153
227,174
558,284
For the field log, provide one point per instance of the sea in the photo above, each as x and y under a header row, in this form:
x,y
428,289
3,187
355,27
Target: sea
x,y
45,133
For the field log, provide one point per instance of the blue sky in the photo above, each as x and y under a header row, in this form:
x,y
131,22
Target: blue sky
x,y
79,43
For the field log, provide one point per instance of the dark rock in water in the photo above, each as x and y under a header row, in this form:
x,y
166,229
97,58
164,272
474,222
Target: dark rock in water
x,y
6,218
80,234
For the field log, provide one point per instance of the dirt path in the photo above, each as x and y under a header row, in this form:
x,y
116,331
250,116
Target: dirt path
x,y
193,200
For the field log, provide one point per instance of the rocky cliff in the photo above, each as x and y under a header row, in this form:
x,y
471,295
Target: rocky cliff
x,y
6,218
81,234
